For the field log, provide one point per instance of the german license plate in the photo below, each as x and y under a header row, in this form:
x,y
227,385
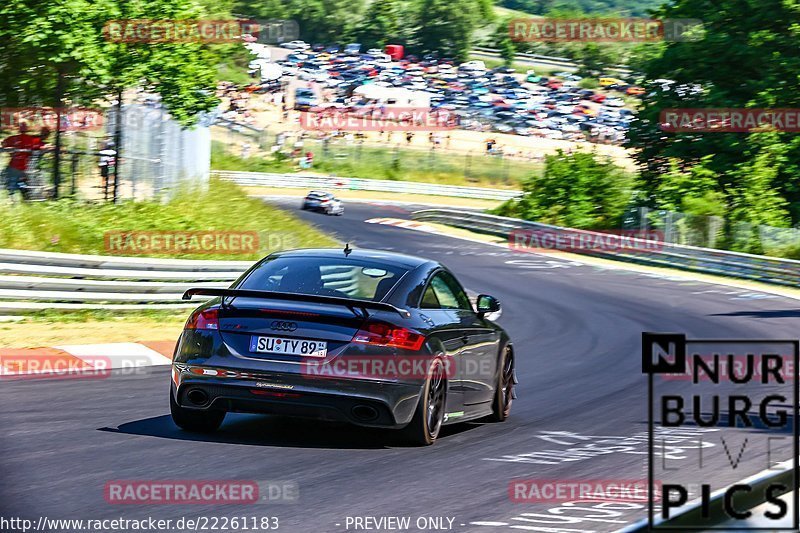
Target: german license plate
x,y
284,346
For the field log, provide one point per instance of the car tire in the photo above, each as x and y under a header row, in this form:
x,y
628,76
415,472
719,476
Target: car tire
x,y
429,415
193,420
504,391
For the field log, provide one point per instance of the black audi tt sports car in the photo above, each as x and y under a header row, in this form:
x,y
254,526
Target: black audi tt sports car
x,y
373,338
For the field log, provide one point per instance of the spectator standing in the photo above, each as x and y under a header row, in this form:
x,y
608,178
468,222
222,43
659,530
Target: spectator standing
x,y
307,161
22,146
108,160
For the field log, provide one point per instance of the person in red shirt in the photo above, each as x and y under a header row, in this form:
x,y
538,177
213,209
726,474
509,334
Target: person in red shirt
x,y
21,145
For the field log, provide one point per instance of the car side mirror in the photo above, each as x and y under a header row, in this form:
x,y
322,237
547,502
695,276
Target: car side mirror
x,y
486,304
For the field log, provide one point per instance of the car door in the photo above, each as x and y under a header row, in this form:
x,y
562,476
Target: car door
x,y
478,361
446,328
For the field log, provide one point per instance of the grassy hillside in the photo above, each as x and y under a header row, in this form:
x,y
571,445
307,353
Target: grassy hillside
x,y
73,227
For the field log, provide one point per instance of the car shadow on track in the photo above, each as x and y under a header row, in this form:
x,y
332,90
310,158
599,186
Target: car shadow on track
x,y
784,313
265,430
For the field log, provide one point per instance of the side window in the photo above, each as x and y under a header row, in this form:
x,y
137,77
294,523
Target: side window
x,y
443,292
429,300
458,292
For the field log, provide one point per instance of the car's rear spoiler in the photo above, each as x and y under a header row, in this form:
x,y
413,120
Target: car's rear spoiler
x,y
350,303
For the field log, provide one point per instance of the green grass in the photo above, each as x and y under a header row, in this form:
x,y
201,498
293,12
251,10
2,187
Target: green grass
x,y
50,316
374,162
519,67
77,227
503,12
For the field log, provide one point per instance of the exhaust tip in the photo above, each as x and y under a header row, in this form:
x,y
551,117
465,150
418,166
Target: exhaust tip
x,y
365,412
197,397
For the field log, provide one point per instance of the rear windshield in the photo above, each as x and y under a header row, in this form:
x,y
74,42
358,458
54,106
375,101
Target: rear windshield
x,y
344,278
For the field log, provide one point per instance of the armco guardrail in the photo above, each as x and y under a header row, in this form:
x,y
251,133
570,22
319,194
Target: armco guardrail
x,y
301,181
562,62
34,281
706,260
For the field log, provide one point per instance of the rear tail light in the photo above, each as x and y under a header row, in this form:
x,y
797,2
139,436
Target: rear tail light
x,y
204,319
383,334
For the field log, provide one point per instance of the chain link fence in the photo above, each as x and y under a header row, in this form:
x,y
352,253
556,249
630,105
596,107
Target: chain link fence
x,y
714,232
349,155
157,156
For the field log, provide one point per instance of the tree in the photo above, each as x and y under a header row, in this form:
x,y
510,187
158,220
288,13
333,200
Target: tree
x,y
741,61
56,54
383,24
594,59
446,27
578,190
501,39
326,21
262,9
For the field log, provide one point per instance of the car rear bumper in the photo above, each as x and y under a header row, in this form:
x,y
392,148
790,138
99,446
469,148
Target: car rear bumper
x,y
363,402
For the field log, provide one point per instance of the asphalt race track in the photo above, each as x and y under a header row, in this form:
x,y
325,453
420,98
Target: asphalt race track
x,y
577,332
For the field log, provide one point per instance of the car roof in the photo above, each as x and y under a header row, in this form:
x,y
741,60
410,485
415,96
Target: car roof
x,y
390,258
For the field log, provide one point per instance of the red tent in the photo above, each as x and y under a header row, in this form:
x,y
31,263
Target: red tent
x,y
395,51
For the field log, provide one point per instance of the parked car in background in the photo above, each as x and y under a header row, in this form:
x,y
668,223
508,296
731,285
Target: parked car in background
x,y
305,99
606,82
296,45
473,65
532,77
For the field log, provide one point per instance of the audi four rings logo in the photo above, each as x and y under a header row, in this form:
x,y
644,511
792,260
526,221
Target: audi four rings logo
x,y
280,325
